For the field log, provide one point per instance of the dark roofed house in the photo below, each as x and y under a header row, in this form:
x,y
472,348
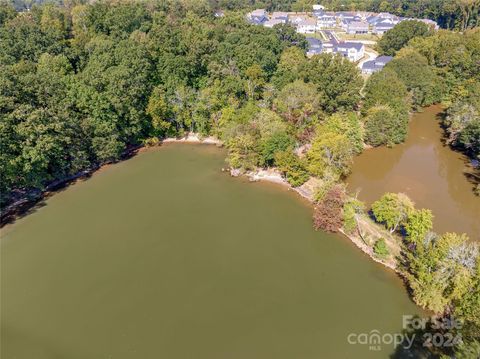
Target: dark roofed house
x,y
357,27
345,15
257,17
372,20
314,46
369,67
382,27
326,20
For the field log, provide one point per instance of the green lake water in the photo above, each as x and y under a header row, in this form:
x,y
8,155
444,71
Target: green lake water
x,y
166,256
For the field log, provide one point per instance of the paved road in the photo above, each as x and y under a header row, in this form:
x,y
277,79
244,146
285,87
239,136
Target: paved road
x,y
369,55
330,35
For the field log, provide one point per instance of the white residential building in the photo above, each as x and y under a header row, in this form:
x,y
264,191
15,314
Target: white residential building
x,y
357,27
351,50
326,21
307,26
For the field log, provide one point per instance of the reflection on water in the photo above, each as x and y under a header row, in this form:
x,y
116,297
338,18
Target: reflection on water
x,y
427,170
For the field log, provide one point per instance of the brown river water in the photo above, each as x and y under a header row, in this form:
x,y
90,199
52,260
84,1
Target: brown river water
x,y
166,256
427,170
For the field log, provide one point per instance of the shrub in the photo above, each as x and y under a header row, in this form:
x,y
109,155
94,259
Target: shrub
x,y
380,248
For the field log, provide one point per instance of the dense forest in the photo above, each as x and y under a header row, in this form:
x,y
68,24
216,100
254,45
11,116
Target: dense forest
x,y
81,84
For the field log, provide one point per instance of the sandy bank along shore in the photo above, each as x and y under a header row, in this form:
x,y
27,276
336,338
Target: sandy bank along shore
x,y
194,138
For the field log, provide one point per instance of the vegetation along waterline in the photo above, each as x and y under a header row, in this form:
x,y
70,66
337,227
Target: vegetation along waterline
x,y
199,258
82,83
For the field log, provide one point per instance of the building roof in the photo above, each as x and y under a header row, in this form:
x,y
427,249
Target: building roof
x,y
325,16
384,25
370,65
345,14
307,22
376,64
358,25
313,42
350,45
258,20
383,59
373,19
279,14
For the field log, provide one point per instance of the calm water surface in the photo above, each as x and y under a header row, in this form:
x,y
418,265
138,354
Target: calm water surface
x,y
165,256
431,173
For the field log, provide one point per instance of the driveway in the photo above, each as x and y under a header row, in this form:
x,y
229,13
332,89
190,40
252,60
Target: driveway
x,y
369,55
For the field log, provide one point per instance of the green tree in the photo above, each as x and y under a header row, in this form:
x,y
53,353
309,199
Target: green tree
x,y
276,142
347,123
396,38
331,152
292,60
23,38
384,126
419,223
440,270
385,88
352,209
158,109
288,35
470,137
293,167
298,103
337,80
243,148
467,306
393,209
7,12
255,80
413,69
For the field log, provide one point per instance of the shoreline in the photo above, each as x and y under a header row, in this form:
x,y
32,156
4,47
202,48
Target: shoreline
x,y
26,203
272,175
